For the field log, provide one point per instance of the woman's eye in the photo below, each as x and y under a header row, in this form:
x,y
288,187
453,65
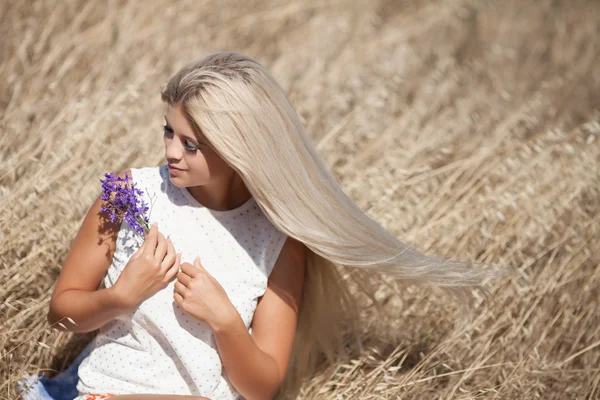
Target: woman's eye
x,y
168,131
189,147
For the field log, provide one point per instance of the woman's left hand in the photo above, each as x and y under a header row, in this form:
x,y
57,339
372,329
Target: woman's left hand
x,y
202,296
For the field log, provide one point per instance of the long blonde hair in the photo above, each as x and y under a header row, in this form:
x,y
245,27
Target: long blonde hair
x,y
238,107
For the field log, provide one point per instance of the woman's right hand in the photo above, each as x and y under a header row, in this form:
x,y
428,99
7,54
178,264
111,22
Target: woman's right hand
x,y
149,269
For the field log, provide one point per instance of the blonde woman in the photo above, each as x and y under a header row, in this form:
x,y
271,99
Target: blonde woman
x,y
237,292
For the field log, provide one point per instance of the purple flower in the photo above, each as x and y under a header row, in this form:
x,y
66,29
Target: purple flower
x,y
122,202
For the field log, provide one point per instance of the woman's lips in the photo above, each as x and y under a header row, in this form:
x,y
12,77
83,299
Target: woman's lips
x,y
174,169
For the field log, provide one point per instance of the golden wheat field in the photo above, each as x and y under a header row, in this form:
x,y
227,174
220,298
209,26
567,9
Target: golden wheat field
x,y
469,129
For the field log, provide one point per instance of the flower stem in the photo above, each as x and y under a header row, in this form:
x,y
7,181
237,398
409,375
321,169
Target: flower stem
x,y
143,224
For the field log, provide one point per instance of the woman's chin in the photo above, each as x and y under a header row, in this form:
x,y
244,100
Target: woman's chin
x,y
175,181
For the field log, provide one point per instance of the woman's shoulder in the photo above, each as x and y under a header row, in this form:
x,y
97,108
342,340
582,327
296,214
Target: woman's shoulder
x,y
146,175
157,170
144,170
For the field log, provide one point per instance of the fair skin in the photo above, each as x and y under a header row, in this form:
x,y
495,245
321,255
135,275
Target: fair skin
x,y
205,174
256,363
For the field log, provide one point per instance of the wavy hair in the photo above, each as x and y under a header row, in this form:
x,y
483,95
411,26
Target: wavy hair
x,y
236,105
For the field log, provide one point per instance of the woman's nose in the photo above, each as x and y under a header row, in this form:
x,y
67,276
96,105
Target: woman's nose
x,y
173,150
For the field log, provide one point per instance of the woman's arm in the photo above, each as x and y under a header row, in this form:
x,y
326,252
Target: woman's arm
x,y
76,295
256,364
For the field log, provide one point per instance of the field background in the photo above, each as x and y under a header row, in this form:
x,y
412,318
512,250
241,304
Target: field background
x,y
468,128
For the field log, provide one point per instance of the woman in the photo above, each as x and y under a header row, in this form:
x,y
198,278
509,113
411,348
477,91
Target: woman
x,y
255,155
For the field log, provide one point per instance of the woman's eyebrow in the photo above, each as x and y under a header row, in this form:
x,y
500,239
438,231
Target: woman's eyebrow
x,y
193,139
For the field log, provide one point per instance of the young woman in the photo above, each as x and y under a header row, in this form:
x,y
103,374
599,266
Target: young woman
x,y
236,292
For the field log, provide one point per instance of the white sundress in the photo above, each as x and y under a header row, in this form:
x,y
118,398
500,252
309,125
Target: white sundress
x,y
159,348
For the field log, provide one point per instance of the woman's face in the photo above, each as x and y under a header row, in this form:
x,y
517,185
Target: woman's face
x,y
198,164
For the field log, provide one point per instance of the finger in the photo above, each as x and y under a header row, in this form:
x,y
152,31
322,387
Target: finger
x,y
172,272
178,298
198,265
169,257
138,252
189,269
150,241
181,289
184,278
161,248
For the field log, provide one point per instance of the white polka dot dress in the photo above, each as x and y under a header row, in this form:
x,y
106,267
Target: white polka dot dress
x,y
159,348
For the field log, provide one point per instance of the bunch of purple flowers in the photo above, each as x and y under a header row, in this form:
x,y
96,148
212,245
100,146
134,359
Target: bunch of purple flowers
x,y
123,202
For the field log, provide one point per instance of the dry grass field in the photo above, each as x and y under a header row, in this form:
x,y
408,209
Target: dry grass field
x,y
468,128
